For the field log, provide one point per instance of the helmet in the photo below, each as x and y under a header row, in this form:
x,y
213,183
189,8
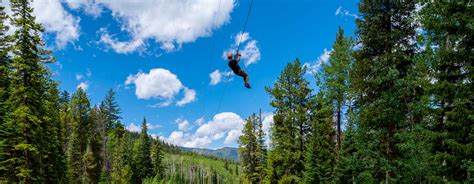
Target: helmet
x,y
229,56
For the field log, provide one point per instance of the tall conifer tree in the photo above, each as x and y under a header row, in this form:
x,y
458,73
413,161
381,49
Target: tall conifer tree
x,y
450,43
26,120
291,98
382,85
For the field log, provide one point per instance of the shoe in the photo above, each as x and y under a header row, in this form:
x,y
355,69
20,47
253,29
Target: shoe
x,y
247,85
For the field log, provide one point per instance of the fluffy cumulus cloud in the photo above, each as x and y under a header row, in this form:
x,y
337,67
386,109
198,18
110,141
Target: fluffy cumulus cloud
x,y
199,121
189,96
160,84
83,85
314,66
183,125
132,127
170,23
90,7
122,47
226,126
54,18
217,77
341,12
249,51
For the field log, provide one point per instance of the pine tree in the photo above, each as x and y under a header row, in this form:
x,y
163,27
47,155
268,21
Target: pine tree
x,y
382,86
157,159
320,155
347,164
92,156
247,151
335,76
111,110
65,116
110,107
5,63
143,167
121,156
261,150
25,120
450,44
292,102
81,120
54,156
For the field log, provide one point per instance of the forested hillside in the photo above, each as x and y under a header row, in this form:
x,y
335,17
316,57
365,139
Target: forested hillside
x,y
394,104
223,153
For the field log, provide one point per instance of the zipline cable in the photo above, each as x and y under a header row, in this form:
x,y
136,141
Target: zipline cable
x,y
245,25
238,47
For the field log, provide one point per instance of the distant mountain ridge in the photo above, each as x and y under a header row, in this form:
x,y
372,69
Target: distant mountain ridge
x,y
224,153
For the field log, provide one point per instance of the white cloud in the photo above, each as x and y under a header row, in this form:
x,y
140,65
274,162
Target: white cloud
x,y
342,12
154,136
241,37
152,127
250,53
199,121
119,46
183,125
233,136
338,10
221,124
160,84
226,125
133,128
54,19
79,76
83,85
90,7
170,23
323,58
218,76
189,96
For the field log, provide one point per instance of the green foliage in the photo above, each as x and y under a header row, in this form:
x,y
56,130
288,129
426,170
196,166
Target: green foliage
x,y
252,150
449,43
383,89
334,80
31,139
142,166
400,105
321,154
157,160
291,98
185,168
111,109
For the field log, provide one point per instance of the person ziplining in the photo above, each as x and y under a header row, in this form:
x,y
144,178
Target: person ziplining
x,y
234,65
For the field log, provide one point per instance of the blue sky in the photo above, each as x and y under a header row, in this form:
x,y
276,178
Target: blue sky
x,y
159,55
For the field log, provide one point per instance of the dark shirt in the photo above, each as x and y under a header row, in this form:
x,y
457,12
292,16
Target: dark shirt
x,y
234,65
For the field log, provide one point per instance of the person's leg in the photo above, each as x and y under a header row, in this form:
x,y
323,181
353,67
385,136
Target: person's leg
x,y
244,75
246,78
